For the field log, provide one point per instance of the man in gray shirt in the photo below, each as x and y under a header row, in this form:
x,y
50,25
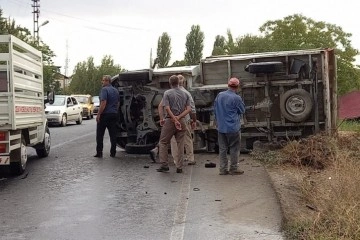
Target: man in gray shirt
x,y
177,106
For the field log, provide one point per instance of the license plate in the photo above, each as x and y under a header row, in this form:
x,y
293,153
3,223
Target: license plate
x,y
4,160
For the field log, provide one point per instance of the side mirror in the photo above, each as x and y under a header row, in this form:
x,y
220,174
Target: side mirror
x,y
50,97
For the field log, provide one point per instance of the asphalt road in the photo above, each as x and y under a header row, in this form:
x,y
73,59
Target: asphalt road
x,y
71,195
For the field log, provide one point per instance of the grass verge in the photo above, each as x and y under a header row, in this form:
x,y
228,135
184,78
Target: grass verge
x,y
325,173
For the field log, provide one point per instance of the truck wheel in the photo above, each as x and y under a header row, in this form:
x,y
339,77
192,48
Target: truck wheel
x,y
63,121
121,142
20,155
92,115
296,105
43,149
133,148
265,67
79,121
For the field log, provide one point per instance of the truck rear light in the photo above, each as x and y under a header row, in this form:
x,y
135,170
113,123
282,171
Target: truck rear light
x,y
2,136
2,148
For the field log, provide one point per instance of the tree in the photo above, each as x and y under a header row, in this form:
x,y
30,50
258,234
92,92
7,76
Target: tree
x,y
194,45
86,78
299,32
219,46
164,50
179,63
251,44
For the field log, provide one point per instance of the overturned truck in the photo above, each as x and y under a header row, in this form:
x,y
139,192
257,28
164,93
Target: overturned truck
x,y
289,94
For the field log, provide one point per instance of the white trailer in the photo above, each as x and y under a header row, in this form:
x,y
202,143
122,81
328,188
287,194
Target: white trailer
x,y
22,116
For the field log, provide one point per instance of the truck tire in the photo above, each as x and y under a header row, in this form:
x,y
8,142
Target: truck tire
x,y
133,148
296,105
19,154
265,67
79,121
43,149
63,120
121,142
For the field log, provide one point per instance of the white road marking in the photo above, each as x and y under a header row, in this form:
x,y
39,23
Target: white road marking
x,y
178,229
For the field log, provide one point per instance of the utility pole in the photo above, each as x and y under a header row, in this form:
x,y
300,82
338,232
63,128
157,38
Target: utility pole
x,y
67,58
66,64
36,13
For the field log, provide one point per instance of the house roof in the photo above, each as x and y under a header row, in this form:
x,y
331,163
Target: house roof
x,y
349,105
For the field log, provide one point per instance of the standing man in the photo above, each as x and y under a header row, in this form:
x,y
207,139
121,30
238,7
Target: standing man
x,y
228,108
177,106
107,116
190,120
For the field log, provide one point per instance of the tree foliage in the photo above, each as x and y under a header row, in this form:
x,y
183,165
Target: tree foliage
x,y
87,76
194,45
299,32
164,50
179,63
219,46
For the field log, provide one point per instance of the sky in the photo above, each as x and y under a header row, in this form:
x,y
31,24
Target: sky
x,y
128,30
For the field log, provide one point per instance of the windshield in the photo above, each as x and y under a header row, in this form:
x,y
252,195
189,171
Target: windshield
x,y
96,99
59,101
81,99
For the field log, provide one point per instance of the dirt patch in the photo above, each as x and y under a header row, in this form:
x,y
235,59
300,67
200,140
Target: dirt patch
x,y
287,182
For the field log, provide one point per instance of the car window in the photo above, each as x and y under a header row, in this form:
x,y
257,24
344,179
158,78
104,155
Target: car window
x,y
69,102
74,101
81,99
96,99
59,101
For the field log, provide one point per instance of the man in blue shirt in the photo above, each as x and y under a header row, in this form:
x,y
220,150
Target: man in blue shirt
x,y
107,116
228,108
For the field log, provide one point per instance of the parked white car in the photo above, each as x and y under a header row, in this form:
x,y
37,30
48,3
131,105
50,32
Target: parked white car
x,y
63,110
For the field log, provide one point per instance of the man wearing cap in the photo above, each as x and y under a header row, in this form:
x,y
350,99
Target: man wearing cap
x,y
228,108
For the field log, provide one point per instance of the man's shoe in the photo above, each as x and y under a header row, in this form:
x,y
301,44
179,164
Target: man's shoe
x,y
192,163
178,170
98,155
163,169
224,173
112,155
236,172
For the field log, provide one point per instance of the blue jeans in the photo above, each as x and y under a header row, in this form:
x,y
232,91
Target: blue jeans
x,y
229,141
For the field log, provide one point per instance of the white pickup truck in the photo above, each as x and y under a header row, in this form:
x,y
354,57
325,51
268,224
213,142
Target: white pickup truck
x,y
22,116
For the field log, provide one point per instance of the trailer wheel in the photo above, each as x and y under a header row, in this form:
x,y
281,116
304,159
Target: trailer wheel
x,y
20,155
296,105
43,149
121,142
133,148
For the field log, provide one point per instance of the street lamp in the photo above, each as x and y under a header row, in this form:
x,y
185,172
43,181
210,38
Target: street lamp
x,y
43,24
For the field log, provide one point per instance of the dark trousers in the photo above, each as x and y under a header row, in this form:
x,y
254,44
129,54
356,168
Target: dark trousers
x,y
107,120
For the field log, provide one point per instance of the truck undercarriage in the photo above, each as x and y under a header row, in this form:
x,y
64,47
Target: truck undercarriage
x,y
287,95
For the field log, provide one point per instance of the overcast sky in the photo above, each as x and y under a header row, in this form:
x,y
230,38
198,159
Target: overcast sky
x,y
128,29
